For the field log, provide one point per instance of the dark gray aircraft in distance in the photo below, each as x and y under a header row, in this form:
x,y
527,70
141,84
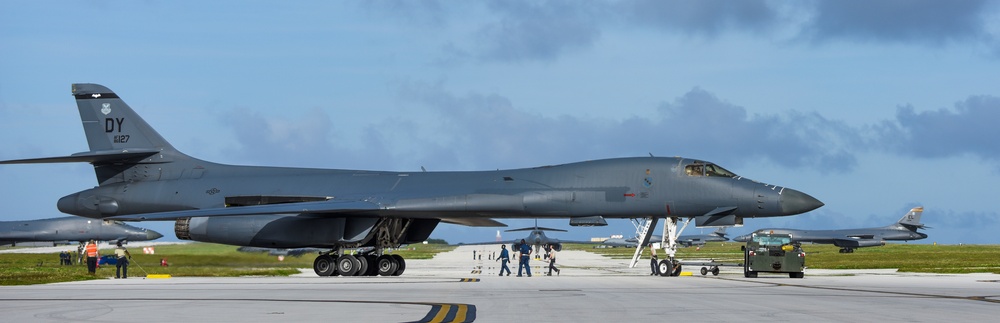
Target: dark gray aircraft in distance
x,y
143,177
294,252
718,235
848,239
71,229
536,238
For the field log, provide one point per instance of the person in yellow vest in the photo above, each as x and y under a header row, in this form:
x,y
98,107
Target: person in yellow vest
x,y
121,267
91,250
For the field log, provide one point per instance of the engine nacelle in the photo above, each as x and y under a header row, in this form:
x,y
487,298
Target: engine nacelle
x,y
858,243
277,231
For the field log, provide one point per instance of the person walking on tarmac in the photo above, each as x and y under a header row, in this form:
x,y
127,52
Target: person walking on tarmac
x,y
525,250
121,267
504,259
91,250
552,261
653,261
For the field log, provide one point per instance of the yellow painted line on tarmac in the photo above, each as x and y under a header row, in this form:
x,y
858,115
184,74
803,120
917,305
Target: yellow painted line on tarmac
x,y
450,313
158,276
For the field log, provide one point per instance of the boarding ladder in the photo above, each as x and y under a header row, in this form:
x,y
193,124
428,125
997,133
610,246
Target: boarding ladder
x,y
643,229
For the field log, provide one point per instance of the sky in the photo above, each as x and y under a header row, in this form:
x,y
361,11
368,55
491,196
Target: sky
x,y
873,107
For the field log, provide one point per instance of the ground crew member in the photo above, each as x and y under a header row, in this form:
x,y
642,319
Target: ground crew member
x,y
525,250
552,261
91,250
121,267
504,259
652,261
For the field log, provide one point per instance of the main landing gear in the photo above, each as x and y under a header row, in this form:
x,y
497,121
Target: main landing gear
x,y
330,264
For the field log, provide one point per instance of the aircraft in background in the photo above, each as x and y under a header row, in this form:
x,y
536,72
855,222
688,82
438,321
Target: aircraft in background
x,y
536,238
684,240
142,177
848,239
69,229
294,252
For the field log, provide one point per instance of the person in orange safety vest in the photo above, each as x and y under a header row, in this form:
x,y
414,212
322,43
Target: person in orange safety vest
x,y
91,251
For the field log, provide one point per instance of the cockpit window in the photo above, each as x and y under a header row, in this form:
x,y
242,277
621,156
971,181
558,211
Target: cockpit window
x,y
703,169
716,170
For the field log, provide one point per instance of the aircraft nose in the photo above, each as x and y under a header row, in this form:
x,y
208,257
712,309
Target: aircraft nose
x,y
795,202
153,235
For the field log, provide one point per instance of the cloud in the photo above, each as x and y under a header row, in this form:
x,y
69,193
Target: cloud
x,y
898,21
525,31
484,131
968,129
528,30
490,129
706,18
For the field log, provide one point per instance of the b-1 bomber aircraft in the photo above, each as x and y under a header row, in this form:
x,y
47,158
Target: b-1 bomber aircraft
x,y
142,177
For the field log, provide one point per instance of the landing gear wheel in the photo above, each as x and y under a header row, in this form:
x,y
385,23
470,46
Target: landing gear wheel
x,y
715,271
372,265
347,265
664,268
363,267
704,271
324,266
387,265
402,265
677,271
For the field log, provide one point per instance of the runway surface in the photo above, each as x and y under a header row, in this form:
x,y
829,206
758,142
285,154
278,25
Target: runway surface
x,y
454,287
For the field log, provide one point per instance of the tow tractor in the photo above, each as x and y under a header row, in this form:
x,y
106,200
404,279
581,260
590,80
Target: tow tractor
x,y
773,253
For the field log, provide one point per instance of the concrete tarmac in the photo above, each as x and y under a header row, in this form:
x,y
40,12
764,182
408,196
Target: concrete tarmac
x,y
456,287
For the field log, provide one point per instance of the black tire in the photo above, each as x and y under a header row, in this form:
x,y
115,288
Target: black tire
x,y
402,265
665,267
677,271
746,267
715,271
386,265
796,275
704,271
347,265
363,267
372,265
324,266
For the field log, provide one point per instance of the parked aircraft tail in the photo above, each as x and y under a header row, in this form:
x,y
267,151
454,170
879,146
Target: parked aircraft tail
x,y
912,219
123,147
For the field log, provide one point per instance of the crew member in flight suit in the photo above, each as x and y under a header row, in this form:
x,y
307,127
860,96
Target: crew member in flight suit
x,y
504,259
525,250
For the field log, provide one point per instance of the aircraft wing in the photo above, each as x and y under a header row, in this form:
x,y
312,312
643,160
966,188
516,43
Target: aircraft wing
x,y
329,206
316,207
473,222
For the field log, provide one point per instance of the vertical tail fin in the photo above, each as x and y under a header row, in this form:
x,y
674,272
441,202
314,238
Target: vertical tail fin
x,y
721,231
123,147
110,124
912,218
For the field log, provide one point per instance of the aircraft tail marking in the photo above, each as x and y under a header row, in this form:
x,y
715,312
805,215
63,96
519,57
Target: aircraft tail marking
x,y
119,140
912,219
110,124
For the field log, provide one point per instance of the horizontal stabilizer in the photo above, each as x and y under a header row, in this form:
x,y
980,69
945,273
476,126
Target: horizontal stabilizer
x,y
93,157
